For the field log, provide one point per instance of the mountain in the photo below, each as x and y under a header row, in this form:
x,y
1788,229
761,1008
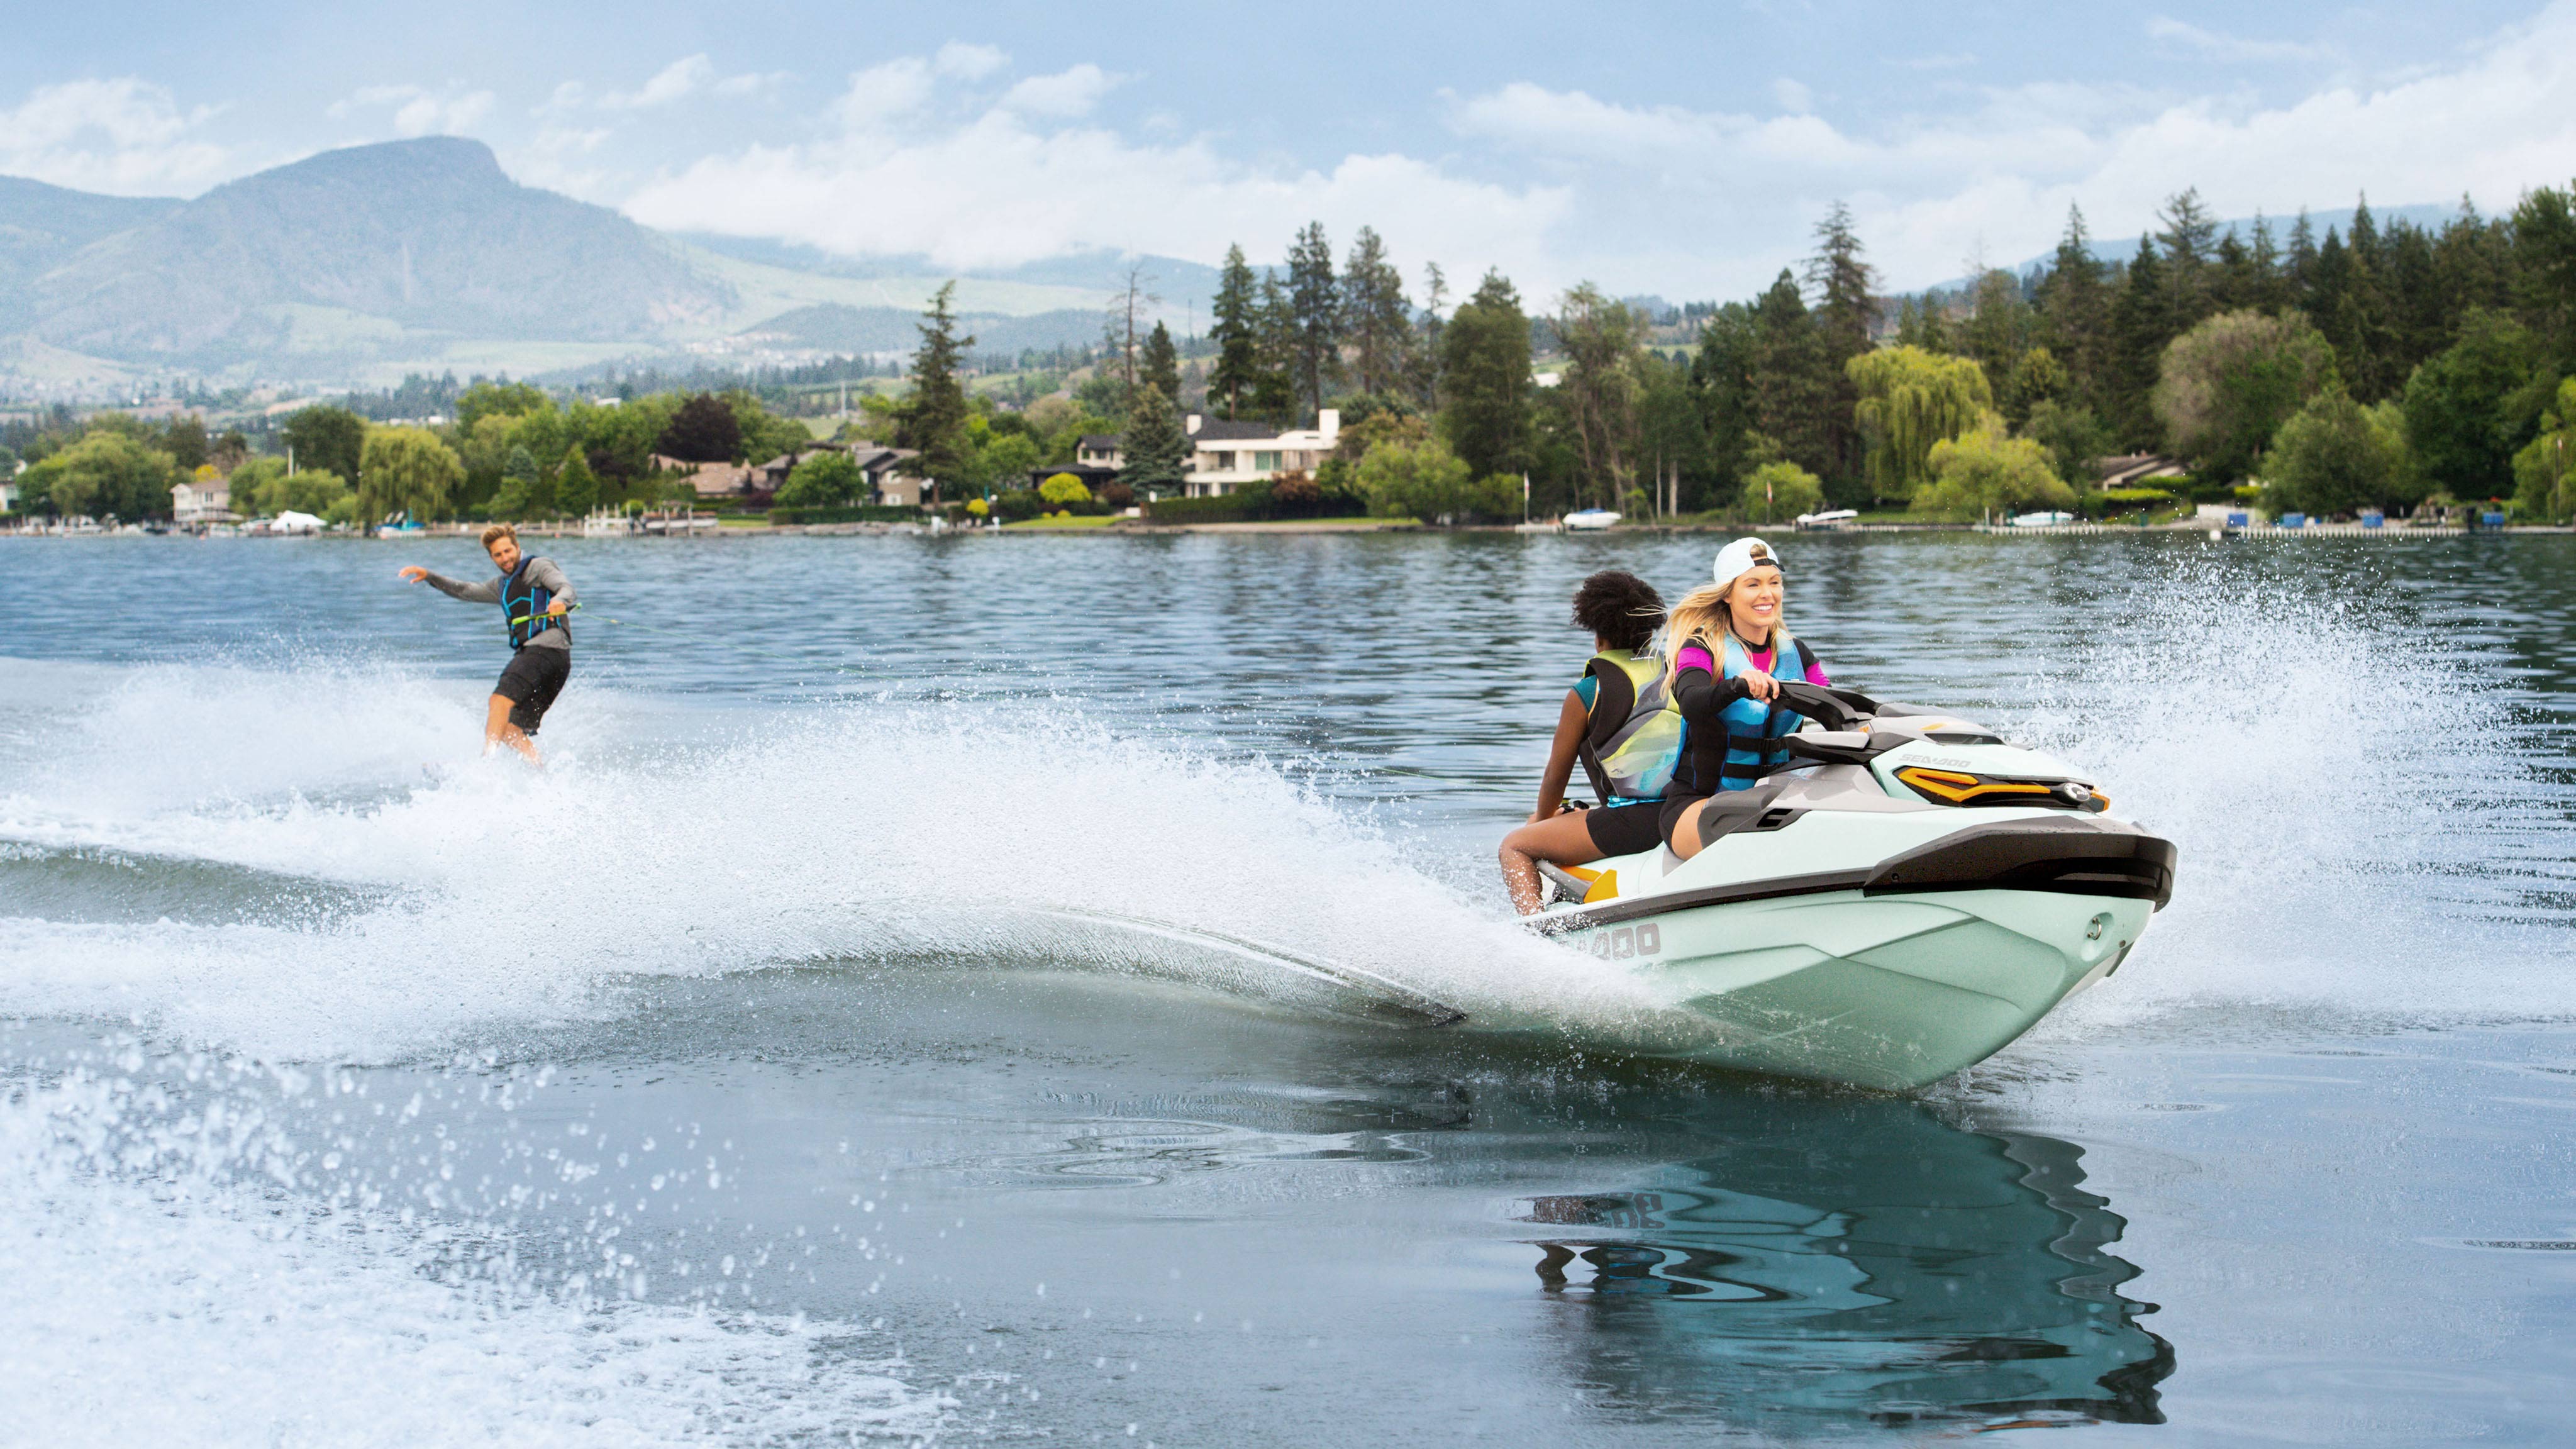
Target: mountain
x,y
42,226
348,250
1184,286
359,265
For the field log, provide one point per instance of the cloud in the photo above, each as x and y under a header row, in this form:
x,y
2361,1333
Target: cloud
x,y
124,135
961,61
2001,171
672,82
418,110
2234,49
1070,92
915,169
1793,96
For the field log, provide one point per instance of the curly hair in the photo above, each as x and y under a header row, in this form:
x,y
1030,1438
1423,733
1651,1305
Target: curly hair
x,y
1619,608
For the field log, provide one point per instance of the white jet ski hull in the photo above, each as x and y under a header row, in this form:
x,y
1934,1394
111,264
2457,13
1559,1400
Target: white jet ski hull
x,y
1908,899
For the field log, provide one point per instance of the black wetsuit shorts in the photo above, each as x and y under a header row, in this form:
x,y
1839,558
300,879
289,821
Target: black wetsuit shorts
x,y
1625,829
530,684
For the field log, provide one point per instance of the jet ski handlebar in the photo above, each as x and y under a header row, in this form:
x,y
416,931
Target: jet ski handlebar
x,y
1835,709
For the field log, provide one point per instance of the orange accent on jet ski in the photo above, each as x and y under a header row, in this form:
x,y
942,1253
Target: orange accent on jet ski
x,y
1958,788
1605,886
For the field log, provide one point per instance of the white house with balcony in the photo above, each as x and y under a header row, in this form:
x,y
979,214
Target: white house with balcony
x,y
1230,456
202,500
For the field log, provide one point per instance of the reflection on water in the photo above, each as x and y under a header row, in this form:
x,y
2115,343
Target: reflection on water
x,y
1842,1258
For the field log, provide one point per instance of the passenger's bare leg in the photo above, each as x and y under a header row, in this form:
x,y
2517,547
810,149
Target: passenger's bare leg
x,y
1559,840
1686,842
498,731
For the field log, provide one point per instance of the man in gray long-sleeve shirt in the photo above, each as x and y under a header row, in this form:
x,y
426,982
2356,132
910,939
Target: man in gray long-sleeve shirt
x,y
534,596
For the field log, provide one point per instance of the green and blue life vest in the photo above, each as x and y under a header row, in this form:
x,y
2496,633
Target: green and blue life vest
x,y
524,604
1753,728
1635,736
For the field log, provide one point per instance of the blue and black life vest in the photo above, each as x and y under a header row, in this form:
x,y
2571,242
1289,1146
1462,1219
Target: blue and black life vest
x,y
524,604
1750,747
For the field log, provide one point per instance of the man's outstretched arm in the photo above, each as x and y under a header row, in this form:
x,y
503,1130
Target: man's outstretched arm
x,y
486,592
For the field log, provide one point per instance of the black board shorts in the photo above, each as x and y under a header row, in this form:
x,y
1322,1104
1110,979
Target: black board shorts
x,y
531,682
1625,829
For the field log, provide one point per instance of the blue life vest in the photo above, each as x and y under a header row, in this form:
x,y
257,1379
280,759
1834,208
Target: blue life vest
x,y
524,604
1753,728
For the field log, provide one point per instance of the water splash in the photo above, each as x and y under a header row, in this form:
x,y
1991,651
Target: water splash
x,y
2350,799
858,831
180,1265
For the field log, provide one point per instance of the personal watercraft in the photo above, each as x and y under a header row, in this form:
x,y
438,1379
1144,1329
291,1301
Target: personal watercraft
x,y
1902,898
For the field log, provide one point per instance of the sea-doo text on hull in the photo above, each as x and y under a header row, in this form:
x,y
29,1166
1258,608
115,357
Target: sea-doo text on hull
x,y
1908,897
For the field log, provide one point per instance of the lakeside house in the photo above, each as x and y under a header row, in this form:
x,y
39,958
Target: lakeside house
x,y
202,500
888,480
2137,470
1226,457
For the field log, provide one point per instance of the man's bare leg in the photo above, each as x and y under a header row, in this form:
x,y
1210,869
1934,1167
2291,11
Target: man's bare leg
x,y
498,731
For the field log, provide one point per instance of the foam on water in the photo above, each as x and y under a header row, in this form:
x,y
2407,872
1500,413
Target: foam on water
x,y
174,1270
867,830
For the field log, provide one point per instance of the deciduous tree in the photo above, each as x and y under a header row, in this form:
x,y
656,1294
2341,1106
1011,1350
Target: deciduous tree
x,y
326,437
406,470
2227,385
1911,401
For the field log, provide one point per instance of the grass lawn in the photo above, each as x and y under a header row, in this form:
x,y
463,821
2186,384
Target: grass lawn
x,y
1097,520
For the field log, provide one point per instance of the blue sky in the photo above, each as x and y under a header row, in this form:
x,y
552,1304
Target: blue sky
x,y
1685,150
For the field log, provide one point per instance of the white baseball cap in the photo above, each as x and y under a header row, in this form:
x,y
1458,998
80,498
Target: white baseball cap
x,y
1740,558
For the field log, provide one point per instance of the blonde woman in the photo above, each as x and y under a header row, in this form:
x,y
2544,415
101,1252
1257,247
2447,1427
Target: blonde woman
x,y
1727,649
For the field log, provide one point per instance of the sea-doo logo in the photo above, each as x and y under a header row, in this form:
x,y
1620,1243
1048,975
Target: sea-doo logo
x,y
1629,941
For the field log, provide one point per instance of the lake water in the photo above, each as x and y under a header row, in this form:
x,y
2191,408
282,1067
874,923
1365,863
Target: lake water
x,y
742,1077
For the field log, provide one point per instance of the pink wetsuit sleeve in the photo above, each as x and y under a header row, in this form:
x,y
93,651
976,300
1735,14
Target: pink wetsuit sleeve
x,y
1695,657
1816,675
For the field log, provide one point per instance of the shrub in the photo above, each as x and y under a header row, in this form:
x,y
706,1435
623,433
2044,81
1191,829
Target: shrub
x,y
1064,488
1017,503
1781,490
1117,495
1984,472
824,480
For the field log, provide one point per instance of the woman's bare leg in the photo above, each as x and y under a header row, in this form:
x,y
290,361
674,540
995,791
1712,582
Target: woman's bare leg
x,y
1559,840
498,731
1686,842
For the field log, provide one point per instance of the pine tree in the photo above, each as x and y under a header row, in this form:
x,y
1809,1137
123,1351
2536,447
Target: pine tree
x,y
933,419
1275,394
1425,377
2300,265
1234,327
1845,322
1161,366
2271,286
1722,376
1314,299
2074,310
1794,399
1485,372
1377,319
2141,325
1156,451
2188,236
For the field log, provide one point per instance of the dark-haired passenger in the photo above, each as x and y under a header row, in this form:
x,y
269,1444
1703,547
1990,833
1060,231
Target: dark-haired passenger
x,y
1620,724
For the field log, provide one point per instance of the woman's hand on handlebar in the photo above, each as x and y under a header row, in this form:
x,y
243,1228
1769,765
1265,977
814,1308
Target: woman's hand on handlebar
x,y
1758,685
